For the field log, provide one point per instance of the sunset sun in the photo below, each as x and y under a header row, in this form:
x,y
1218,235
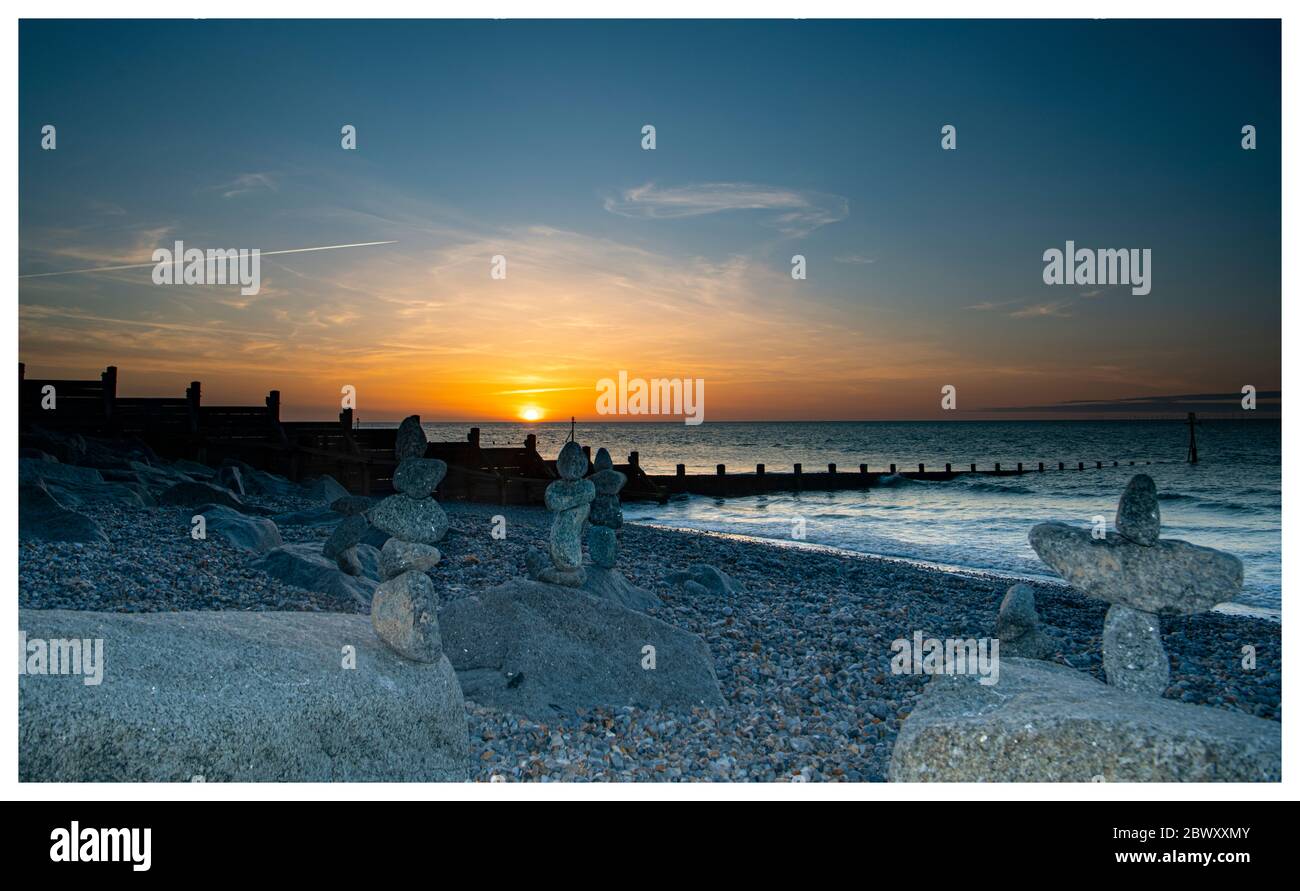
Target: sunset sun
x,y
531,413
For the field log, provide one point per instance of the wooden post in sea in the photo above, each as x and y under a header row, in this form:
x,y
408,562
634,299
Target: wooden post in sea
x,y
947,468
920,468
681,470
798,477
893,468
722,470
1040,466
1192,457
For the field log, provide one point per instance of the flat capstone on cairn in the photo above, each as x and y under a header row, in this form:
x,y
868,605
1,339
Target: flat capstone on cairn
x,y
570,498
404,610
1143,577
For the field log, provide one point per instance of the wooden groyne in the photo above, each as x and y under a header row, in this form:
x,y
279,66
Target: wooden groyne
x,y
723,483
361,458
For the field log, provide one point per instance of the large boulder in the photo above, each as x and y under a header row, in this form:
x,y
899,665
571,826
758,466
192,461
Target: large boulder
x,y
610,584
324,489
238,697
197,494
533,648
1168,578
1043,722
304,566
256,534
42,518
53,471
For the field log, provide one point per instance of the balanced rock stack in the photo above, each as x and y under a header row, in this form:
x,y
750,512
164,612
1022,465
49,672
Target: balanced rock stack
x,y
1143,577
606,512
404,611
1018,631
570,498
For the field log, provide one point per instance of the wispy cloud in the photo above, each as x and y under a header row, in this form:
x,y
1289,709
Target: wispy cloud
x,y
791,211
1056,309
855,259
248,182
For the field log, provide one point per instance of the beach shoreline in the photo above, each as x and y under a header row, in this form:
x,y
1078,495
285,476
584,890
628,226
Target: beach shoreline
x,y
802,651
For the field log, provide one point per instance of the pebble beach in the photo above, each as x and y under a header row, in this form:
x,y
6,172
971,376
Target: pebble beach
x,y
801,651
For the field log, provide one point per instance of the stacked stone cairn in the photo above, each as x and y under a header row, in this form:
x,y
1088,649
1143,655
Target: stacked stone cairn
x,y
606,512
1143,577
404,611
570,498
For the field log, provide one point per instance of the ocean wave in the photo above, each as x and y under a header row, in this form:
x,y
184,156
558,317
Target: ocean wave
x,y
984,486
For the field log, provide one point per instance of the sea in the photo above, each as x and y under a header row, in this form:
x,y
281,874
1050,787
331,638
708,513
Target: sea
x,y
1231,499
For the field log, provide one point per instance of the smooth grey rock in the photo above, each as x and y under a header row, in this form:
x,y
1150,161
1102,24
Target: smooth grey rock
x,y
420,520
602,461
533,648
197,494
610,584
351,505
566,538
74,495
567,494
231,478
312,516
569,578
303,566
42,518
52,471
602,544
256,534
238,697
608,482
1138,516
607,511
404,613
346,535
1168,578
1018,631
259,482
376,538
1043,722
536,562
367,556
1132,652
325,490
349,561
571,462
398,557
418,477
711,578
194,469
411,441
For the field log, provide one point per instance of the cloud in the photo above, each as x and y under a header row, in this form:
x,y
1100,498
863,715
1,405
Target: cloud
x,y
791,211
855,259
248,182
1056,309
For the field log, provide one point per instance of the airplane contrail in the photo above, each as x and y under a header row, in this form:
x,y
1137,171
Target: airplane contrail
x,y
178,260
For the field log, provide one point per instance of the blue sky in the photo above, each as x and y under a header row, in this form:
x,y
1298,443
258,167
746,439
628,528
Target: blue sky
x,y
773,138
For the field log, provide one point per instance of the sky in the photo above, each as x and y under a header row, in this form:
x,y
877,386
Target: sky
x,y
773,139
